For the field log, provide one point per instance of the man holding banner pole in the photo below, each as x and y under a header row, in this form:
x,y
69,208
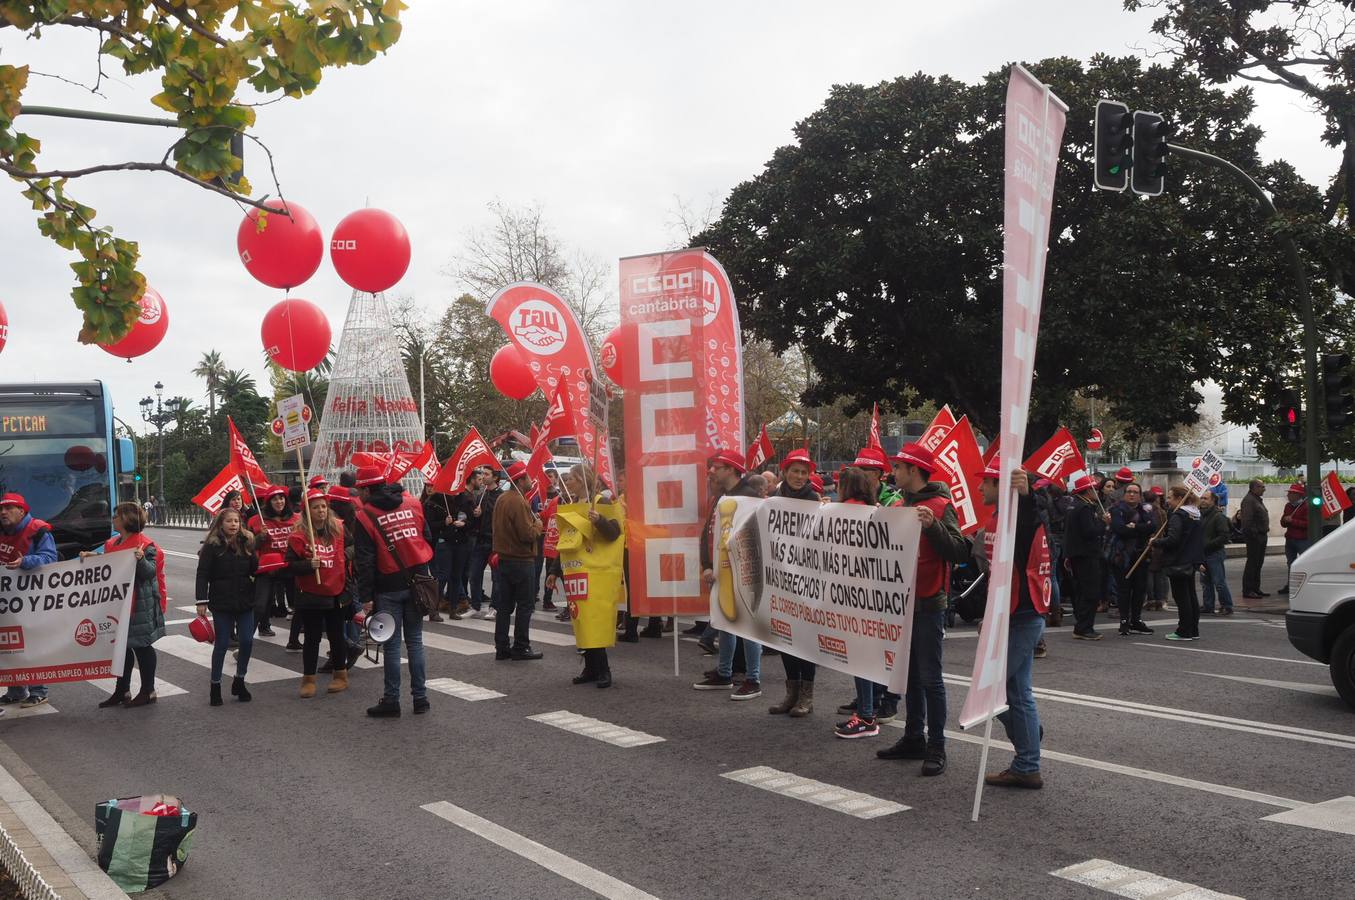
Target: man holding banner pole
x,y
25,543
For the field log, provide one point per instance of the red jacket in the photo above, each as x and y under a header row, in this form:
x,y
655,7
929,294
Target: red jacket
x,y
333,563
404,527
131,542
1296,515
278,532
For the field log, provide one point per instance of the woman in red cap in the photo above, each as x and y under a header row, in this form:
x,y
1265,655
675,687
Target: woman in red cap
x,y
317,558
1294,521
796,471
1084,535
227,562
272,530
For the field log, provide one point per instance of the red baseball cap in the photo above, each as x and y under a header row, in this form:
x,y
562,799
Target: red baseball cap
x,y
272,491
1084,482
917,455
316,494
516,470
729,457
800,456
1294,488
317,480
871,458
371,475
340,494
12,499
1124,475
993,470
816,482
1156,491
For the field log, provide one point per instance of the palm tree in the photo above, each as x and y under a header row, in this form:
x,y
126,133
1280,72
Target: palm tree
x,y
211,369
237,383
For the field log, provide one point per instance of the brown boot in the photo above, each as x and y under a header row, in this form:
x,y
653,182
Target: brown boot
x,y
338,682
307,686
805,704
792,697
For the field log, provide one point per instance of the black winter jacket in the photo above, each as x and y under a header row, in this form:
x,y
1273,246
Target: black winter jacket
x,y
225,579
1084,531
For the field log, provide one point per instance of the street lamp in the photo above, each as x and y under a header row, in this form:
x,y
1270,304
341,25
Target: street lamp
x,y
159,418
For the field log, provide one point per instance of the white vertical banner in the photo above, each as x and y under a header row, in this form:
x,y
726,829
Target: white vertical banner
x,y
1034,125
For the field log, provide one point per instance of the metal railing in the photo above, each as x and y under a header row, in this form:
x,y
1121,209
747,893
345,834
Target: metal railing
x,y
31,885
189,516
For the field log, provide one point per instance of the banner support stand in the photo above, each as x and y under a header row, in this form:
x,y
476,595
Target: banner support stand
x,y
983,768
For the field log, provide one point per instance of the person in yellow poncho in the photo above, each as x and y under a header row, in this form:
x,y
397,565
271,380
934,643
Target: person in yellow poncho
x,y
590,565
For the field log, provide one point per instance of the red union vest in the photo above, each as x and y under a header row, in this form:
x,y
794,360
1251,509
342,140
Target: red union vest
x,y
279,531
333,569
15,546
131,542
404,527
1039,573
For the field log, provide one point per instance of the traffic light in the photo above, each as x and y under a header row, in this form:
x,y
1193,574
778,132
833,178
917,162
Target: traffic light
x,y
136,477
1336,384
1113,144
1150,153
1289,417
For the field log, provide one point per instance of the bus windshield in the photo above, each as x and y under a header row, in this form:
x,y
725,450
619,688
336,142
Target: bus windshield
x,y
55,455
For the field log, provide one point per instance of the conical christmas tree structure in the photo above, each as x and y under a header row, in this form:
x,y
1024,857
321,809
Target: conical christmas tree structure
x,y
369,406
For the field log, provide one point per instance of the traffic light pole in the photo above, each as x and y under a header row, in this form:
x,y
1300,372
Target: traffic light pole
x,y
1311,451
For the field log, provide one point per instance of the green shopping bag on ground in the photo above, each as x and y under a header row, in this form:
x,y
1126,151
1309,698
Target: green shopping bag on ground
x,y
143,841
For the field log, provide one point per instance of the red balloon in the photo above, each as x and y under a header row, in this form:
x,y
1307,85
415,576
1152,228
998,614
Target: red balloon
x,y
287,251
617,354
79,458
370,250
147,331
4,327
296,334
510,373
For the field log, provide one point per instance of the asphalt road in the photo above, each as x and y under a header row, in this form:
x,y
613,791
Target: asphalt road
x,y
1162,758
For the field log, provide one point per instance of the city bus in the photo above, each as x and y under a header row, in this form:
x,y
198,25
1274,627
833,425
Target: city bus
x,y
57,449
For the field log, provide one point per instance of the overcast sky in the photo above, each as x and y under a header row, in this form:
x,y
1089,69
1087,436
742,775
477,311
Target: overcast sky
x,y
602,112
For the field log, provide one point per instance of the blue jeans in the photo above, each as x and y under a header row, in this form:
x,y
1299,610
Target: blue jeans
x,y
1055,569
479,558
23,691
223,622
868,697
442,567
460,566
513,598
752,657
1292,548
925,701
409,625
1021,719
1216,580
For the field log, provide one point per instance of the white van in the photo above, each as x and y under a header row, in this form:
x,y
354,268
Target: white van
x,y
1321,617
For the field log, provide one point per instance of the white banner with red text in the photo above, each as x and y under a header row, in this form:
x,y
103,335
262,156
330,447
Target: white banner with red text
x,y
830,584
66,621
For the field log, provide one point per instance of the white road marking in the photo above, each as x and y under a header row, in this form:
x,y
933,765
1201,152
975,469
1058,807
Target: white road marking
x,y
1193,717
595,728
179,553
179,621
163,688
189,650
1123,881
1331,815
1305,687
14,711
586,876
1135,772
538,635
1174,647
454,645
461,689
853,803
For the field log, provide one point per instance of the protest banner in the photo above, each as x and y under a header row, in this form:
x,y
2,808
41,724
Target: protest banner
x,y
830,584
1033,131
66,621
1206,470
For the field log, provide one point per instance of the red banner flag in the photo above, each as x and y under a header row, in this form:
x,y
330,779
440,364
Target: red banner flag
x,y
992,450
213,496
943,422
559,421
426,461
1058,458
544,328
535,437
243,462
550,547
1335,500
761,451
962,465
473,451
536,468
874,439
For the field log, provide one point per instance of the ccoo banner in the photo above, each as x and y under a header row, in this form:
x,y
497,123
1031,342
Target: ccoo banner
x,y
66,621
831,584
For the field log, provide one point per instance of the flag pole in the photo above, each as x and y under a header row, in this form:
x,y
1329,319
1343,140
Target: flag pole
x,y
983,768
306,508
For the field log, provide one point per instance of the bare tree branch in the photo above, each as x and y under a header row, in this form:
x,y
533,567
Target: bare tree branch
x,y
92,90
22,174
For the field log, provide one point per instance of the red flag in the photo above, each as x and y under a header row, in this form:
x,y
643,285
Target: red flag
x,y
473,451
962,465
874,427
1058,458
992,450
243,462
936,431
535,436
1335,500
426,461
761,451
213,496
550,548
559,421
536,468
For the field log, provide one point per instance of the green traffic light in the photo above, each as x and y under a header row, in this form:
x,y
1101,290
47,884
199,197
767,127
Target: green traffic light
x,y
1116,170
1316,501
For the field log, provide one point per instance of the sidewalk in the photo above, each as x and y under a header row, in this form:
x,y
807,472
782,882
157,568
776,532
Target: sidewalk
x,y
41,857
